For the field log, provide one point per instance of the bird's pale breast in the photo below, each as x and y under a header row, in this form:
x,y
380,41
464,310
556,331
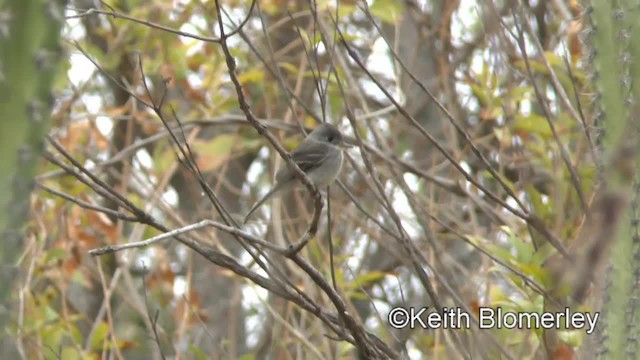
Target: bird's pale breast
x,y
324,174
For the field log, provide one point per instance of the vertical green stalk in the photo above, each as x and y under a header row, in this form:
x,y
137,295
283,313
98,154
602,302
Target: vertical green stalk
x,y
29,56
615,46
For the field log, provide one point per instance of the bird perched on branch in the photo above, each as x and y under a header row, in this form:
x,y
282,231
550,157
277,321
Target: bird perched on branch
x,y
319,156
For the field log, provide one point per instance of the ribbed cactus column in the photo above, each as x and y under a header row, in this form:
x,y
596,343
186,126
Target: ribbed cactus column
x,y
29,56
614,39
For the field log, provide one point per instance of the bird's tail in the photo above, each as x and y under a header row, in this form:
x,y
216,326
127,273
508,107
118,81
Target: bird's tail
x,y
260,202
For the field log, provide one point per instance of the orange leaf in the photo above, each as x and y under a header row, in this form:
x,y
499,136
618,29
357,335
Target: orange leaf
x,y
474,305
563,352
76,136
167,73
101,222
573,36
189,306
100,140
575,7
117,110
70,266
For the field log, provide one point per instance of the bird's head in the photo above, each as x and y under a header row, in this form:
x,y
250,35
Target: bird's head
x,y
328,133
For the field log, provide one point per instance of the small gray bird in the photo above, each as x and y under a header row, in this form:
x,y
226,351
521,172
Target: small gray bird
x,y
319,156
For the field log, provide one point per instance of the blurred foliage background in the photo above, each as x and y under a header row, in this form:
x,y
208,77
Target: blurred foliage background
x,y
471,184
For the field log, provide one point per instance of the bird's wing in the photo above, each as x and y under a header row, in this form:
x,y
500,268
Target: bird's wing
x,y
307,155
310,154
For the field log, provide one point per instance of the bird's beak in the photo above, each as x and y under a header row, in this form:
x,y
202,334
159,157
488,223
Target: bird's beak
x,y
345,146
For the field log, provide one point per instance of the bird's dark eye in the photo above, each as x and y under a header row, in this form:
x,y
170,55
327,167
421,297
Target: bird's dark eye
x,y
330,138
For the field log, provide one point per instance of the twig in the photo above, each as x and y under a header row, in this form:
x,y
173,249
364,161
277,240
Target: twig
x,y
545,108
531,219
117,15
288,292
108,291
264,131
452,120
183,230
153,320
407,245
583,121
87,205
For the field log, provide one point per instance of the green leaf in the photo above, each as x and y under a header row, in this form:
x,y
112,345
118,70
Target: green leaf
x,y
573,338
524,251
251,76
56,254
199,354
163,158
70,353
311,39
99,335
536,272
542,254
539,207
358,295
388,11
479,93
367,278
518,94
213,153
289,67
346,9
53,334
499,252
532,124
